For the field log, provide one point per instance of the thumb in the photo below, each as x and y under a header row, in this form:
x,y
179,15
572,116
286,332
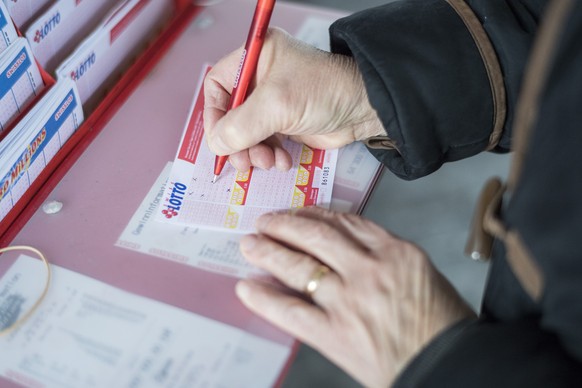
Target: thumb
x,y
243,127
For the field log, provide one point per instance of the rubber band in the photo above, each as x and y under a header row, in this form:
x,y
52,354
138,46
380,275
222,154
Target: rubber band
x,y
27,315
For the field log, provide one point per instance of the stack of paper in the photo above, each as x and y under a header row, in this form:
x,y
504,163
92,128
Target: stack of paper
x,y
29,147
23,11
6,28
20,81
105,52
56,33
87,333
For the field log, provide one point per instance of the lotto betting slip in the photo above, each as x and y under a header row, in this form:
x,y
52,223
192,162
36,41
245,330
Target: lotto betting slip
x,y
112,43
8,33
20,81
22,11
35,140
55,33
237,199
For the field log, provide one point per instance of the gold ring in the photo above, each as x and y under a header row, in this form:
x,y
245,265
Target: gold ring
x,y
313,283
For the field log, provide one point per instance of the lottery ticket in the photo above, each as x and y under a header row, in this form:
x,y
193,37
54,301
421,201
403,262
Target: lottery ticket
x,y
22,11
237,199
30,146
20,81
110,47
6,28
54,34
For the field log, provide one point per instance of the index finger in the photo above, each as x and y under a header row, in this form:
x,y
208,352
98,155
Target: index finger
x,y
317,237
218,85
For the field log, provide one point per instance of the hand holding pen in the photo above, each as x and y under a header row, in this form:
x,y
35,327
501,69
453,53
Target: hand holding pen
x,y
309,95
248,64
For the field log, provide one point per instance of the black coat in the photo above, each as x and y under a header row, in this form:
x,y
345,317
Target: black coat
x,y
449,81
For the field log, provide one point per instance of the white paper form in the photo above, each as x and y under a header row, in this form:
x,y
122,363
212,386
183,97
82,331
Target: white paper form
x,y
54,34
22,11
6,28
237,199
89,334
32,144
219,252
354,161
196,247
112,44
20,80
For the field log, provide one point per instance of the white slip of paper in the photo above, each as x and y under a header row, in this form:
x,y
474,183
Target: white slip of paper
x,y
6,28
21,81
196,247
89,334
111,44
36,139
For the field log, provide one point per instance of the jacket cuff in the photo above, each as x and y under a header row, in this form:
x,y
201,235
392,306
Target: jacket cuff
x,y
421,366
485,353
426,79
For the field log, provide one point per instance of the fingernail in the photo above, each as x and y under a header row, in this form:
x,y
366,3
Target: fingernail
x,y
248,242
263,220
281,165
281,160
242,290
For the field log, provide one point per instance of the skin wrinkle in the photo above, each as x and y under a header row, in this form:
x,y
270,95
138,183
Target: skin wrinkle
x,y
366,291
390,299
287,87
361,120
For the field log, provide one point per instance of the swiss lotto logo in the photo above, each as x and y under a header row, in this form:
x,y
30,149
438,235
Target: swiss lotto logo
x,y
47,27
174,202
83,67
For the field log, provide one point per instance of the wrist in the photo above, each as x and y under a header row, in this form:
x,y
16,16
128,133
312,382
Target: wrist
x,y
363,118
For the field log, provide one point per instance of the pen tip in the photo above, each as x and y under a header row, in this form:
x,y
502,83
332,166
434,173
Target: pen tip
x,y
215,178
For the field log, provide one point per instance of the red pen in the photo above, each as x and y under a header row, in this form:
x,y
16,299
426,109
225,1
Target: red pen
x,y
248,64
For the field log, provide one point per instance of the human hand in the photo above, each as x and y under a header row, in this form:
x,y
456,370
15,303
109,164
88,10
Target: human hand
x,y
381,302
312,96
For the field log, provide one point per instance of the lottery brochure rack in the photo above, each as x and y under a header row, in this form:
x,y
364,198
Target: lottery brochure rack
x,y
110,100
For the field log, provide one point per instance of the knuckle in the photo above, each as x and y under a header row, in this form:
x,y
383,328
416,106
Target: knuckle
x,y
297,272
366,225
320,231
209,81
281,257
277,35
215,98
296,314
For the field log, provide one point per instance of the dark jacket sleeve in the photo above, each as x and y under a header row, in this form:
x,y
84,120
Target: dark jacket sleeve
x,y
426,77
488,354
427,81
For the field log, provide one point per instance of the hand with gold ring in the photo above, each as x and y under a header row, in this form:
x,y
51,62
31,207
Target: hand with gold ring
x,y
376,300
